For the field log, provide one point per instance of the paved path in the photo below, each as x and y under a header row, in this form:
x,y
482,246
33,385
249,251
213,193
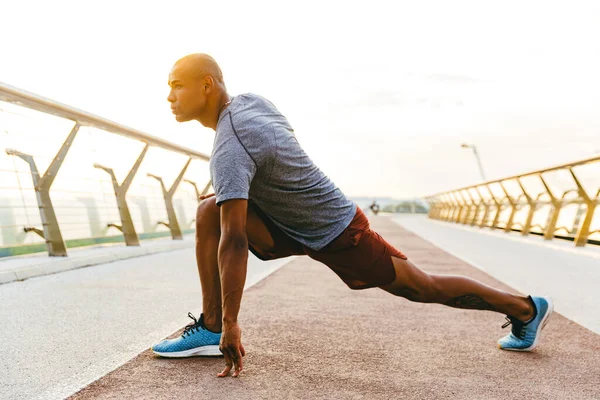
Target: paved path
x,y
309,337
62,331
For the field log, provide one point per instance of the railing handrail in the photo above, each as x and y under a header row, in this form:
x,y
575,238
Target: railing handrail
x,y
540,171
11,94
468,213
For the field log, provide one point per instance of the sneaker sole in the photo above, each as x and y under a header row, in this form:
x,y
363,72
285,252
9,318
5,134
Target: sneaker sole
x,y
541,326
204,351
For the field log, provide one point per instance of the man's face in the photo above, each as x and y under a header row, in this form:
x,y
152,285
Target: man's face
x,y
188,95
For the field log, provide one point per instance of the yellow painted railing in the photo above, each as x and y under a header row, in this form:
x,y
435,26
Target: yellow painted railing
x,y
553,202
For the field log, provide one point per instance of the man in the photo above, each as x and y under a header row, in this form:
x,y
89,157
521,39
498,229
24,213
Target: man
x,y
271,199
374,207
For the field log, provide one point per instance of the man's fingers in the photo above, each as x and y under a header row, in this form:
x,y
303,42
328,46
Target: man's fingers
x,y
228,366
228,362
225,372
233,360
239,363
206,196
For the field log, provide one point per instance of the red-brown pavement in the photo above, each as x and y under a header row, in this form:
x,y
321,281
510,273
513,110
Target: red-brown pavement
x,y
309,337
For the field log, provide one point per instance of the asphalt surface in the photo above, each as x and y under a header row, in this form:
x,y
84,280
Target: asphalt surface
x,y
309,337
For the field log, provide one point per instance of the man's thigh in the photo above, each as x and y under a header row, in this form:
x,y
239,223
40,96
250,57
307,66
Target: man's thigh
x,y
265,240
360,256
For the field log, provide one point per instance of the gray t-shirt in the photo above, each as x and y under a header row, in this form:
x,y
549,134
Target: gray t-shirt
x,y
256,156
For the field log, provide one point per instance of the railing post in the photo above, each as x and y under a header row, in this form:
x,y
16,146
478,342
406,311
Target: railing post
x,y
173,225
454,210
434,209
439,208
486,208
583,230
449,208
532,209
50,228
198,193
476,210
431,204
556,204
127,227
467,209
442,209
457,208
195,188
513,209
498,209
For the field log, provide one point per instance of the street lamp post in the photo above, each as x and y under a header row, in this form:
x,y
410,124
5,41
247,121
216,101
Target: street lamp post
x,y
472,146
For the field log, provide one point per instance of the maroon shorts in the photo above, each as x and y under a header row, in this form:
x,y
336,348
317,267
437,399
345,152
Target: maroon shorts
x,y
359,255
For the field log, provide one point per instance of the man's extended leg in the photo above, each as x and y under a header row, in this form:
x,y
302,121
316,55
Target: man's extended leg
x,y
417,285
528,315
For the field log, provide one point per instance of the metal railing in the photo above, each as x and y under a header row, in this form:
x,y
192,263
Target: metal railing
x,y
87,182
553,202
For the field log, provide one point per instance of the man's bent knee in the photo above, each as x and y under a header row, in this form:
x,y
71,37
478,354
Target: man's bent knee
x,y
207,214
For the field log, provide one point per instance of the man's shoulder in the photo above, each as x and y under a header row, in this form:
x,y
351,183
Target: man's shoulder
x,y
247,128
252,118
249,103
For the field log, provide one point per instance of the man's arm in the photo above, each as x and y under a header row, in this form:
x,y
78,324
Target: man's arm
x,y
233,261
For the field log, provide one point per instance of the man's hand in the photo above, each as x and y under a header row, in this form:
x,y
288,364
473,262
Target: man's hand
x,y
205,196
232,349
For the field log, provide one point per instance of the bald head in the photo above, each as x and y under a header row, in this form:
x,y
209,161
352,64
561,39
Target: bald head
x,y
199,65
197,89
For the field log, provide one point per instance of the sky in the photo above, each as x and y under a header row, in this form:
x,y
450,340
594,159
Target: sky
x,y
381,94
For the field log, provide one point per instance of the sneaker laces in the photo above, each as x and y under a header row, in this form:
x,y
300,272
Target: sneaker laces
x,y
518,327
194,326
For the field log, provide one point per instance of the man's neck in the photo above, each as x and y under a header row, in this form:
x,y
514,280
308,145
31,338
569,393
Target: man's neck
x,y
221,106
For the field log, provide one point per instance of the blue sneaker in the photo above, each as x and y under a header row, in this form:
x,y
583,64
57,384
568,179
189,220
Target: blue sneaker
x,y
525,336
195,340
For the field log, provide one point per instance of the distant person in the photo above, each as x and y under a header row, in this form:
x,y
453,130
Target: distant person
x,y
374,207
273,200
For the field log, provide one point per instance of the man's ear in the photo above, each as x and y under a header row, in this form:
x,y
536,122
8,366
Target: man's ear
x,y
209,84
